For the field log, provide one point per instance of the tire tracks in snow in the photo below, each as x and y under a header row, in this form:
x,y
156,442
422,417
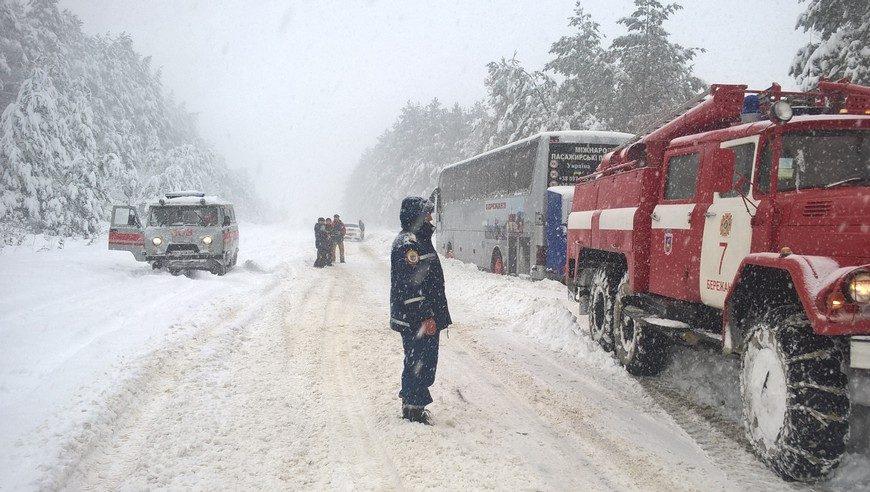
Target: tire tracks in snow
x,y
360,459
96,457
721,439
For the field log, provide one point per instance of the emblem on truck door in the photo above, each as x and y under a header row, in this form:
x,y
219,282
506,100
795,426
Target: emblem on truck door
x,y
725,225
668,241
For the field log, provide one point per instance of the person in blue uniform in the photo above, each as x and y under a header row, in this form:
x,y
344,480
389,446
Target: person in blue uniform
x,y
418,305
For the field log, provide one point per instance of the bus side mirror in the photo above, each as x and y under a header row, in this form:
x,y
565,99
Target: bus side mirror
x,y
723,160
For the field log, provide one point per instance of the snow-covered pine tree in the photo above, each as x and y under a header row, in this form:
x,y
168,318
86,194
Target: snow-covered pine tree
x,y
406,160
843,46
519,103
654,75
86,124
587,72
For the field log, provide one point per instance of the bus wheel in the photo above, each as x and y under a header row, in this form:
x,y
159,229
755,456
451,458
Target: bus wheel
x,y
497,263
602,297
795,400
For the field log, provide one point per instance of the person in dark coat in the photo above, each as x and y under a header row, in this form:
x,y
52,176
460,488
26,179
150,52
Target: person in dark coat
x,y
418,305
330,247
320,242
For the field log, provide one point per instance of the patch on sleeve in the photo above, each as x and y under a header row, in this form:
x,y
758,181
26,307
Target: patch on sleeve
x,y
412,257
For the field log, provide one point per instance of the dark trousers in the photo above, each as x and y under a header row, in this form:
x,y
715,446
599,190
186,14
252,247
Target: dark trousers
x,y
320,262
329,253
421,360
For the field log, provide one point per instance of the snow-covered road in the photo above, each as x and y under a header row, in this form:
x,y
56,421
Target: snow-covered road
x,y
290,380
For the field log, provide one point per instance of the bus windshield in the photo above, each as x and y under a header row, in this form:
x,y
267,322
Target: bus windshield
x,y
824,159
184,216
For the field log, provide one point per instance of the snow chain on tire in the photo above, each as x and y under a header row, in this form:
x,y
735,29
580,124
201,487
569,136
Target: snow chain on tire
x,y
800,427
601,299
643,351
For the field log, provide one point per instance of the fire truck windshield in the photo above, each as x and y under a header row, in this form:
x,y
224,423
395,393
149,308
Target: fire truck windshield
x,y
824,158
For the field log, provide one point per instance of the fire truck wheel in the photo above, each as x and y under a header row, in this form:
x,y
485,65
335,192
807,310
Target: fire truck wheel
x,y
643,351
602,295
795,403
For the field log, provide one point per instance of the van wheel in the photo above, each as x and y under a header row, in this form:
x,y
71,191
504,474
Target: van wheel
x,y
219,269
642,350
795,403
497,263
602,296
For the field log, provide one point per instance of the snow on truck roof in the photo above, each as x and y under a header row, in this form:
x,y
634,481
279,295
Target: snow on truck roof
x,y
572,136
172,199
756,127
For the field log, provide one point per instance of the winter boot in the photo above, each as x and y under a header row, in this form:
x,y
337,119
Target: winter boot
x,y
418,414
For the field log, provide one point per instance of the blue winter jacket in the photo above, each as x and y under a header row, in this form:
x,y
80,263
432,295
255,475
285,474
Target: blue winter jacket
x,y
417,280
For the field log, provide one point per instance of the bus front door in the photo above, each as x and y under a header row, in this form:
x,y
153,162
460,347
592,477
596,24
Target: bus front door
x,y
525,255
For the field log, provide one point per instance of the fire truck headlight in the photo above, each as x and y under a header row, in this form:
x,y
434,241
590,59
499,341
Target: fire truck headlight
x,y
781,111
157,241
859,288
206,240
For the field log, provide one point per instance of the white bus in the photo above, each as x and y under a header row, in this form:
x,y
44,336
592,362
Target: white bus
x,y
491,209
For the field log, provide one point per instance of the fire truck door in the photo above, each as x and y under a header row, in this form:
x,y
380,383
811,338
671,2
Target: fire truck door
x,y
727,227
675,243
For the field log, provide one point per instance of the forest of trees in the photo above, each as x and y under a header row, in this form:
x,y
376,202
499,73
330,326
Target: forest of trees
x,y
85,123
586,85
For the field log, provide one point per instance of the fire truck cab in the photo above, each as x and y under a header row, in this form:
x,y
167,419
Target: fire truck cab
x,y
744,221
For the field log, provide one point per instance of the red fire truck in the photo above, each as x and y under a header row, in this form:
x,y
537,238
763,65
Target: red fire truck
x,y
744,221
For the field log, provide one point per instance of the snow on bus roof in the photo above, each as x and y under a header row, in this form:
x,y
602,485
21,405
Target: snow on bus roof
x,y
562,190
574,136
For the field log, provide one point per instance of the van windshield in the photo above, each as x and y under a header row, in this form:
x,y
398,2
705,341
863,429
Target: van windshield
x,y
824,158
189,216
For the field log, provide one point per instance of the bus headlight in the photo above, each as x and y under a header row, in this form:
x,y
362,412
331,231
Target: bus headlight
x,y
859,288
206,240
157,241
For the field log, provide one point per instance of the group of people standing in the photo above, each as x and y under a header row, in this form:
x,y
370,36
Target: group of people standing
x,y
329,237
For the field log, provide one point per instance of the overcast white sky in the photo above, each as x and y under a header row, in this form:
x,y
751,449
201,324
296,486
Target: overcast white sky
x,y
294,91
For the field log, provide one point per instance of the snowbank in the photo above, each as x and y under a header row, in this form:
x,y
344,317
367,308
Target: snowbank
x,y
75,317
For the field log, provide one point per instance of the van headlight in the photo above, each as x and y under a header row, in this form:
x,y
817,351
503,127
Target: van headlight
x,y
206,240
157,241
859,288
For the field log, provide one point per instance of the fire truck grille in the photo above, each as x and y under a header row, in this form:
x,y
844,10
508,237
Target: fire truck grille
x,y
817,209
